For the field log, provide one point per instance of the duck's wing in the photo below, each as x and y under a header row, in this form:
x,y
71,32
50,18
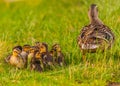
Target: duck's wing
x,y
84,35
103,32
92,36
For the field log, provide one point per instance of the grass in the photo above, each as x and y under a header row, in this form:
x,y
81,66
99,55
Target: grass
x,y
58,21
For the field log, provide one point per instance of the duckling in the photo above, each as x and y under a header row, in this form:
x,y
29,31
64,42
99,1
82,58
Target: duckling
x,y
47,58
8,57
57,54
32,51
96,35
36,62
25,52
16,59
37,44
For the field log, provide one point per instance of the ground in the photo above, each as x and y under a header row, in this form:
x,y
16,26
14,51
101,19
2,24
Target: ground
x,y
58,21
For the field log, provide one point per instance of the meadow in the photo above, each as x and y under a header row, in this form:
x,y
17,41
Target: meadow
x,y
58,21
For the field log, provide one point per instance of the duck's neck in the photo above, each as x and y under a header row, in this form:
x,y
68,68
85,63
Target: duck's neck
x,y
95,20
93,15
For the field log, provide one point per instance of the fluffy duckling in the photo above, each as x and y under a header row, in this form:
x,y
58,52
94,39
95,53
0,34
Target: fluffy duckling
x,y
16,59
25,52
36,62
57,54
96,35
47,58
8,57
32,51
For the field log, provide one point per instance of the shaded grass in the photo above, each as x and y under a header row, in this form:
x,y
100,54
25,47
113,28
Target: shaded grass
x,y
58,21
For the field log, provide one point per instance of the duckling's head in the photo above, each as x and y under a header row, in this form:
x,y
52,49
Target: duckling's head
x,y
37,55
16,52
37,43
93,11
43,47
52,52
33,49
56,47
26,48
17,47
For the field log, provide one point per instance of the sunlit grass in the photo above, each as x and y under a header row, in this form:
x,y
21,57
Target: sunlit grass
x,y
58,21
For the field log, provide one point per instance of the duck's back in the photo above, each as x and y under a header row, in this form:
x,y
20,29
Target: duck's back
x,y
95,36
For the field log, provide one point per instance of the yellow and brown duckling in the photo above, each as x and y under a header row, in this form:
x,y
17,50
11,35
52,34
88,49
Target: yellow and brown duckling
x,y
46,57
37,44
15,58
57,54
32,51
25,52
96,35
36,62
8,57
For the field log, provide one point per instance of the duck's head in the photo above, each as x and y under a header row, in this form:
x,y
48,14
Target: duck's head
x,y
26,48
52,52
33,49
43,47
16,52
93,11
56,47
37,44
37,55
17,47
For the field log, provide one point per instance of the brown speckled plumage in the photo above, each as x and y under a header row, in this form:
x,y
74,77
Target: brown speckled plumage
x,y
96,35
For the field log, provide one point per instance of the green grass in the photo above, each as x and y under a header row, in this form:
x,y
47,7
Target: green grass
x,y
58,21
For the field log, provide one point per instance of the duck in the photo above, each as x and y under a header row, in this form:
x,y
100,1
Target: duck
x,y
36,62
8,57
25,52
32,51
37,44
57,54
46,57
96,35
15,59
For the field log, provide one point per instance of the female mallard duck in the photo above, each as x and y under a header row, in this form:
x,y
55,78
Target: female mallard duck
x,y
15,58
36,62
57,54
96,35
25,52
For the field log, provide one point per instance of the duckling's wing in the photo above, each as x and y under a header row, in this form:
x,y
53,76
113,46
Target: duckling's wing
x,y
25,58
61,59
8,58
